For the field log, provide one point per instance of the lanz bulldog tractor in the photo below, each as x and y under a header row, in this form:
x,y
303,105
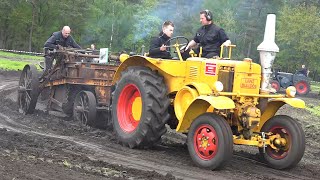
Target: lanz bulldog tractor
x,y
216,102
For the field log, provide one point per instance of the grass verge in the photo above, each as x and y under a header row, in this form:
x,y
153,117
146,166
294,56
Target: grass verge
x,y
315,86
315,110
19,56
9,65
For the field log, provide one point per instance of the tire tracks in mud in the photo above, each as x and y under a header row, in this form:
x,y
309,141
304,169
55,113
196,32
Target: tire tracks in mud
x,y
104,154
269,172
8,84
240,167
109,155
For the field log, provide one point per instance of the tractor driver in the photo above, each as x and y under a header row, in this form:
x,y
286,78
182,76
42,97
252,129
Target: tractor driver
x,y
159,45
58,39
210,37
304,70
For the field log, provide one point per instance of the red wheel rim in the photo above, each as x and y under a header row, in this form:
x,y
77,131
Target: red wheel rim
x,y
302,87
282,152
126,99
205,142
275,86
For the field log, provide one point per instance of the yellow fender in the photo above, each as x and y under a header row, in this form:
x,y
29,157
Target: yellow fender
x,y
274,105
173,71
129,61
200,106
202,88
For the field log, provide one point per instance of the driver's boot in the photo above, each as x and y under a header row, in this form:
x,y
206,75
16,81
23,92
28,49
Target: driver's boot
x,y
47,68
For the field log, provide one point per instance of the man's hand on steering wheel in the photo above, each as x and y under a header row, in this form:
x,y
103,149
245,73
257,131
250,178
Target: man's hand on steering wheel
x,y
163,48
183,48
177,44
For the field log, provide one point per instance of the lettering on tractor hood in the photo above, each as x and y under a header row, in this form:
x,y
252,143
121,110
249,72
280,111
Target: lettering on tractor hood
x,y
248,83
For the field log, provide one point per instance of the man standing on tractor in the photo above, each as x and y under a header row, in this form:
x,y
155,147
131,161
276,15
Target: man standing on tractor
x,y
57,40
209,36
159,45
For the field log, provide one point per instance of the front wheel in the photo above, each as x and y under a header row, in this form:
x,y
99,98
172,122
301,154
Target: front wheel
x,y
210,141
28,90
290,153
275,85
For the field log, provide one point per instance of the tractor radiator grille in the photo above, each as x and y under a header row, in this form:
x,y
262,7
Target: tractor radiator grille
x,y
226,77
193,72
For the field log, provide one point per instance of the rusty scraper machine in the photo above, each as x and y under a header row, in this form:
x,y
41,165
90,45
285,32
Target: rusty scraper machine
x,y
76,85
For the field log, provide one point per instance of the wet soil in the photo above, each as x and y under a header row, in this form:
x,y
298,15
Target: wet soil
x,y
50,146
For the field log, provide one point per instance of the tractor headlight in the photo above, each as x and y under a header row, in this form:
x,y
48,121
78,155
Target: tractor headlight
x,y
218,86
291,91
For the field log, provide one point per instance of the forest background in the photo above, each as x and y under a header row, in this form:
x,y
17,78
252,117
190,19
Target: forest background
x,y
129,24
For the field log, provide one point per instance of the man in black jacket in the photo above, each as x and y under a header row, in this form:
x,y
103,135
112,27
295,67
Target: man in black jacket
x,y
159,45
304,70
210,37
58,39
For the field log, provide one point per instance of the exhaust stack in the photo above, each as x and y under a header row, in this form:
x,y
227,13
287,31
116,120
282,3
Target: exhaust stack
x,y
268,49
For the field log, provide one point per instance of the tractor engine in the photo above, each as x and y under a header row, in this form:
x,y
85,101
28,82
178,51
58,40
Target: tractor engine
x,y
247,116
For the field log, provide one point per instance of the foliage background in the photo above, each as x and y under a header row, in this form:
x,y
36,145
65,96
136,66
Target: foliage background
x,y
129,24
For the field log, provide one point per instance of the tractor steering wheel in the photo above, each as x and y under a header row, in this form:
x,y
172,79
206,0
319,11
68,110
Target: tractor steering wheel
x,y
177,43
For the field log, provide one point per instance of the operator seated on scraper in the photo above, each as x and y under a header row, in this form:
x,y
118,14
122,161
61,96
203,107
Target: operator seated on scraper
x,y
57,40
159,45
210,37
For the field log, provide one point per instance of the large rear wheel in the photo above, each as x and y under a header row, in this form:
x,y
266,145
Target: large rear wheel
x,y
210,141
291,149
140,107
302,86
28,90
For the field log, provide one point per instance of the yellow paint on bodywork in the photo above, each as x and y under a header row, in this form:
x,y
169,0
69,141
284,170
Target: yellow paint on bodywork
x,y
294,102
273,106
173,71
183,99
200,106
202,88
137,109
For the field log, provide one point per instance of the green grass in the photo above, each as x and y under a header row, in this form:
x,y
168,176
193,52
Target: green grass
x,y
315,86
315,110
20,56
12,65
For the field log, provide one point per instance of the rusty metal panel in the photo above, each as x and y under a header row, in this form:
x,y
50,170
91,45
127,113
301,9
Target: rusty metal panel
x,y
76,68
103,95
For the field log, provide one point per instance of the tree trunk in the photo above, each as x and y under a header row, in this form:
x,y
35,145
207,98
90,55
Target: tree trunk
x,y
249,49
33,3
112,29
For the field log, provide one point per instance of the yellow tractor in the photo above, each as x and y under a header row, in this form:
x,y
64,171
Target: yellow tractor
x,y
216,102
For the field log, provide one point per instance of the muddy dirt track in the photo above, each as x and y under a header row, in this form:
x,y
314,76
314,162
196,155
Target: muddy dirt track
x,y
50,146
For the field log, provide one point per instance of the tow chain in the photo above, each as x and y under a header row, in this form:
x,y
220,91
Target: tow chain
x,y
22,52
